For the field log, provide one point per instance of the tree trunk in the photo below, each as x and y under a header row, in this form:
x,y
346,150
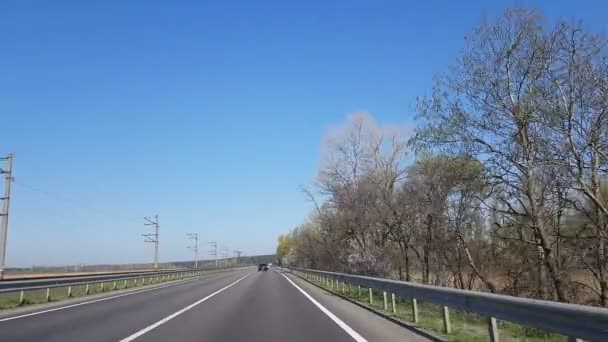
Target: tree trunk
x,y
486,280
427,251
407,264
549,259
540,272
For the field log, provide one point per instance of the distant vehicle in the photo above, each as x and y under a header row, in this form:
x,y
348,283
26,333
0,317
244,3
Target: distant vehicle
x,y
269,264
262,267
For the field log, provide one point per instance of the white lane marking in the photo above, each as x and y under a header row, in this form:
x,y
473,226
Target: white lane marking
x,y
168,318
333,317
95,301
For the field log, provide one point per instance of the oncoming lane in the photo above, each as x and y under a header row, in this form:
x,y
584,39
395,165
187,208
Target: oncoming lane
x,y
116,318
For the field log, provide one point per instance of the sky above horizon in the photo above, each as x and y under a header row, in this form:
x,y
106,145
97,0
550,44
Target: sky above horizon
x,y
210,114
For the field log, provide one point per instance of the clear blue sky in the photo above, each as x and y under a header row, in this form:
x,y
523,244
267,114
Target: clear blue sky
x,y
209,114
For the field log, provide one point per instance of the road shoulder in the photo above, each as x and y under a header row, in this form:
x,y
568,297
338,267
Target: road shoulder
x,y
370,325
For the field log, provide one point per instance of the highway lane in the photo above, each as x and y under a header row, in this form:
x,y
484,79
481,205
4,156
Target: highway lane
x,y
242,305
112,320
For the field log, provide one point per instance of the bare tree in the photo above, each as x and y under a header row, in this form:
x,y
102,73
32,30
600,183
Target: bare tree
x,y
489,106
508,192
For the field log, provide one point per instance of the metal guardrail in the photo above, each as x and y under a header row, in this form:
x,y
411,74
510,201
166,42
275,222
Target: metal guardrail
x,y
75,274
575,321
138,279
7,285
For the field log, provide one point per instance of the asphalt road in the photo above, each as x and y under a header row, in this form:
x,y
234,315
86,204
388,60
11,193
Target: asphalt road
x,y
243,305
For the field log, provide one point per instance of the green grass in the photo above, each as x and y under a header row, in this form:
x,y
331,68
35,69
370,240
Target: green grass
x,y
11,300
466,326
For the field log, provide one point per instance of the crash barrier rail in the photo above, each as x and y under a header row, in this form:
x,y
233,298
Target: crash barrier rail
x,y
67,279
117,283
577,322
77,274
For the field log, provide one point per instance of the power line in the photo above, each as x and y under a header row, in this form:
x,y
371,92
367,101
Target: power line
x,y
73,202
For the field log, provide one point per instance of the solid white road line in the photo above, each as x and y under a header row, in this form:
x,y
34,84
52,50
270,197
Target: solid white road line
x,y
168,318
96,300
329,314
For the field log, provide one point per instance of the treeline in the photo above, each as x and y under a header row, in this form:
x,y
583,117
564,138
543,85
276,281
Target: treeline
x,y
202,264
507,191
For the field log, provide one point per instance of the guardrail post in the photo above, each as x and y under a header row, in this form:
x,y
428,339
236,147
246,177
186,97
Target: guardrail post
x,y
492,329
101,287
385,301
135,282
343,286
69,291
415,310
21,297
371,297
114,285
350,289
394,303
125,283
86,289
358,291
48,294
447,327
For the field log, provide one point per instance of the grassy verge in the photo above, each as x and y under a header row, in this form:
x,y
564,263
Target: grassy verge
x,y
466,326
12,299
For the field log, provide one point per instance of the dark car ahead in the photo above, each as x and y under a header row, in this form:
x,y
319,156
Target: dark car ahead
x,y
262,267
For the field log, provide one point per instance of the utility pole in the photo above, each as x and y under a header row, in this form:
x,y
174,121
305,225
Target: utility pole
x,y
194,236
225,256
238,256
213,251
152,237
8,178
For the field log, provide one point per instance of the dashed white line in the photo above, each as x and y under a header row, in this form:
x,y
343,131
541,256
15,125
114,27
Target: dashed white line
x,y
170,317
329,314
